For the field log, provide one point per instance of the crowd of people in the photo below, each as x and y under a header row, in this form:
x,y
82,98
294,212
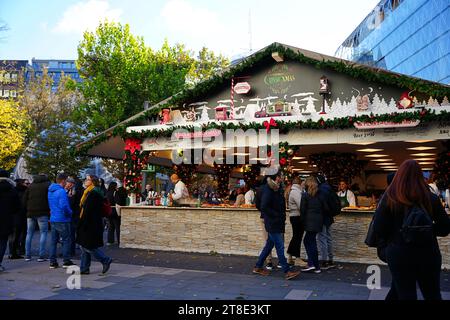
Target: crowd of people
x,y
72,211
408,219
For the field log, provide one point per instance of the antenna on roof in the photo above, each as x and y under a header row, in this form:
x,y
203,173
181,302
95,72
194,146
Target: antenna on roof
x,y
250,29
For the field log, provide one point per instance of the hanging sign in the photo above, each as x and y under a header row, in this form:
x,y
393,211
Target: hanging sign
x,y
386,124
242,88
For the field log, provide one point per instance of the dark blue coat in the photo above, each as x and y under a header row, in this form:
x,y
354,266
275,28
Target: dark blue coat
x,y
273,209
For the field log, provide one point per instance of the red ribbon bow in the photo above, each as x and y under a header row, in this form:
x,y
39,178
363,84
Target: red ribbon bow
x,y
268,124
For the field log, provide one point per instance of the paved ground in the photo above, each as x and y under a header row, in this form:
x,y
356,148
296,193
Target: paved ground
x,y
143,274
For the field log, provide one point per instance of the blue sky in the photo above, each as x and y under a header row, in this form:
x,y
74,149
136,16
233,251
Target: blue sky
x,y
52,29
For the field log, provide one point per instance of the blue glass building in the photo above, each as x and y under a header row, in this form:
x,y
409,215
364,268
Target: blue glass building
x,y
411,37
55,69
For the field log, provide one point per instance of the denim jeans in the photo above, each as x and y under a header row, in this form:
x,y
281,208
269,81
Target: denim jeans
x,y
277,240
310,243
43,229
326,244
60,230
73,235
3,245
86,258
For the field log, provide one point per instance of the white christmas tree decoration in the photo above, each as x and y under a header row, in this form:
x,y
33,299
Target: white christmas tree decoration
x,y
392,104
352,105
436,103
445,102
310,106
430,102
376,101
415,101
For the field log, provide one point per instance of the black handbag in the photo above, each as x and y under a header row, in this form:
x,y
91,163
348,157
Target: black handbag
x,y
371,238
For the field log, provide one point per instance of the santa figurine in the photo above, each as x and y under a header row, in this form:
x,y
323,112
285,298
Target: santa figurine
x,y
405,101
165,116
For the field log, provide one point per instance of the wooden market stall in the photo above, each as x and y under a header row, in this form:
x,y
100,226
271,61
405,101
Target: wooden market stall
x,y
323,114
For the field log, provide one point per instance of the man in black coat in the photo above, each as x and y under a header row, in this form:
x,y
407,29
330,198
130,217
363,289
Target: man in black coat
x,y
38,212
273,210
17,238
9,205
329,200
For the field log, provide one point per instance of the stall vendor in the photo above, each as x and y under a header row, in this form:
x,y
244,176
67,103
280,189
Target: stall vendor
x,y
346,196
180,193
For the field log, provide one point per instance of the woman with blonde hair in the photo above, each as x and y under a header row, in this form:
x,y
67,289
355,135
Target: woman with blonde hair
x,y
311,216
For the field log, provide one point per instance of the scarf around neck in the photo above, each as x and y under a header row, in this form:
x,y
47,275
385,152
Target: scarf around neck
x,y
273,185
84,197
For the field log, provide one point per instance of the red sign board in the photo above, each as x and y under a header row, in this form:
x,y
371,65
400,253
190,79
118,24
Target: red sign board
x,y
242,87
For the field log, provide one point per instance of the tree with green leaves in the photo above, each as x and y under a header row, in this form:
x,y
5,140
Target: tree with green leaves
x,y
53,135
120,73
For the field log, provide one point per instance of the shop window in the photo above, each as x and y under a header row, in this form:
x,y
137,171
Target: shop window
x,y
14,77
6,93
13,93
6,78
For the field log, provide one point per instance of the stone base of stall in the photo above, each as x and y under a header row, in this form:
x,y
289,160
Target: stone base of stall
x,y
236,231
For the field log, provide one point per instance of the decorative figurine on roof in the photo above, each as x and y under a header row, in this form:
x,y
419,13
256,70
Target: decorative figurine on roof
x,y
406,101
278,109
165,117
362,103
190,115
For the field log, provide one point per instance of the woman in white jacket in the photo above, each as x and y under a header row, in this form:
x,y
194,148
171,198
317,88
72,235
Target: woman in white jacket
x,y
295,197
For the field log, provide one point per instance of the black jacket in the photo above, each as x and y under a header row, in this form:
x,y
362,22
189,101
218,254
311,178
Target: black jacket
x,y
36,197
273,209
311,212
90,226
9,208
387,223
325,194
75,199
121,197
22,216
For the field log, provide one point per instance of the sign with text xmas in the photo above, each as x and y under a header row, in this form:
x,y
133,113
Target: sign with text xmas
x,y
386,124
242,88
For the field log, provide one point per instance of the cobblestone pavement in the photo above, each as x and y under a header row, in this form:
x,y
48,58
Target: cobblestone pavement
x,y
150,275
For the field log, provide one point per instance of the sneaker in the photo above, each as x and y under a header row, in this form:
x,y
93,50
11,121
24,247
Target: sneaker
x,y
41,260
324,265
291,275
269,266
308,269
106,266
261,271
27,259
279,266
291,261
317,271
54,265
300,263
330,264
85,272
109,244
68,264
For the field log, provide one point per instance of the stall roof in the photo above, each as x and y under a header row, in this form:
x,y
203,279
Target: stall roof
x,y
112,146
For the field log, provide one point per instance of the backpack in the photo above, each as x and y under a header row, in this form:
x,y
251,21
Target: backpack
x,y
417,227
257,199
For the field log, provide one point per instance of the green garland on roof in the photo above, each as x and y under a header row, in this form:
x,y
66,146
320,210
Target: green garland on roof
x,y
339,123
350,69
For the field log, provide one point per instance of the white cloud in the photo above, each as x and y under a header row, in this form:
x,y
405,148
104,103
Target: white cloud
x,y
86,15
183,18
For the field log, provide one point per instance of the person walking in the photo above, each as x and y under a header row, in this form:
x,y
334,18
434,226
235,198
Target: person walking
x,y
312,217
113,219
17,238
10,206
298,230
90,226
38,211
407,205
60,221
273,209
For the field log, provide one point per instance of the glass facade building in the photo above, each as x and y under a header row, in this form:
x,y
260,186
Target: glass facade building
x,y
411,37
